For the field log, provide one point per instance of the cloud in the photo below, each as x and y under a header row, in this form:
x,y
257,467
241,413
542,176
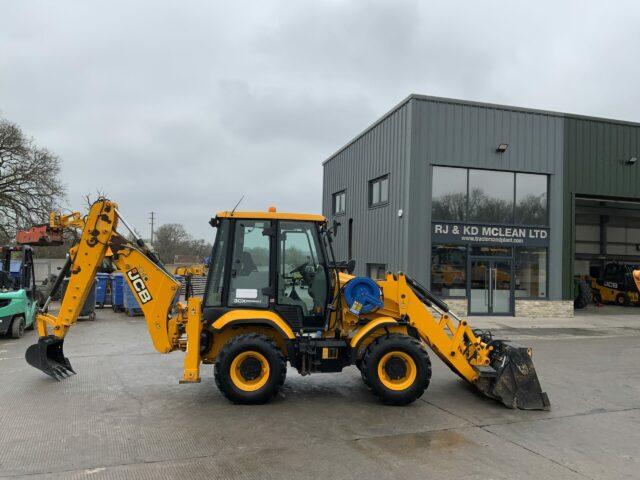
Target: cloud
x,y
181,108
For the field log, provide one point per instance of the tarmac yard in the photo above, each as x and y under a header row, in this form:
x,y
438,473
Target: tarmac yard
x,y
125,416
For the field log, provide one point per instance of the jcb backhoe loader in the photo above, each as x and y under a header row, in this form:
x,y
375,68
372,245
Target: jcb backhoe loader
x,y
275,295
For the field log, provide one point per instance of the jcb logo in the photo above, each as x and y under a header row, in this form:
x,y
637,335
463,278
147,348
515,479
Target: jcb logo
x,y
139,285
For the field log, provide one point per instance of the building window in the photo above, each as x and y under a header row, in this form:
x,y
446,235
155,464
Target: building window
x,y
449,194
379,191
531,199
491,196
338,203
531,273
377,271
449,270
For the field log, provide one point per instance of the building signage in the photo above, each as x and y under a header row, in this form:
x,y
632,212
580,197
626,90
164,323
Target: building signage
x,y
443,232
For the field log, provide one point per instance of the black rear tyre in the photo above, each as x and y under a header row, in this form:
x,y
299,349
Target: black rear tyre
x,y
397,369
250,369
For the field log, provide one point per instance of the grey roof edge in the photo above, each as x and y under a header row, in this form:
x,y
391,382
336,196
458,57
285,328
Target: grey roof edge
x,y
497,106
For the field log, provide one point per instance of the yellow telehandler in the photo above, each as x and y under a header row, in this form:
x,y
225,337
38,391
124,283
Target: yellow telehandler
x,y
275,294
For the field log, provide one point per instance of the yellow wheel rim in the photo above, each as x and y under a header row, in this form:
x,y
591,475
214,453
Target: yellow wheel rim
x,y
249,371
397,370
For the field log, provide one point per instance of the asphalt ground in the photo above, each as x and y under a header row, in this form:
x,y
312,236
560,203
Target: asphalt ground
x,y
124,416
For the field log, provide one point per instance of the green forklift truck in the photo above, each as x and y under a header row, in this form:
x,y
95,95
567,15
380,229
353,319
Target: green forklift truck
x,y
17,290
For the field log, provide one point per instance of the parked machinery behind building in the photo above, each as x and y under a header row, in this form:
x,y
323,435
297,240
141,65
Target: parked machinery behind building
x,y
275,295
615,284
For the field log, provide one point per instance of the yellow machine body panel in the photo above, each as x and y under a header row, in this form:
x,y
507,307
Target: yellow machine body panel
x,y
155,290
243,316
198,270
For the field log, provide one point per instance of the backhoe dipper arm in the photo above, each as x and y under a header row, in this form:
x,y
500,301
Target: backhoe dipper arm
x,y
154,287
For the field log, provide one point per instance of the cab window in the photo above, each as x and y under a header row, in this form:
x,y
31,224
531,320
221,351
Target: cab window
x,y
249,285
217,267
302,279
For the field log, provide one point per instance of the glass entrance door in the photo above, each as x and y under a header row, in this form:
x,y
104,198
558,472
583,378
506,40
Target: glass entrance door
x,y
490,287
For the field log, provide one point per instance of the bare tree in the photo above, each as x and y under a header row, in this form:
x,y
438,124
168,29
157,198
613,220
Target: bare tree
x,y
172,239
30,185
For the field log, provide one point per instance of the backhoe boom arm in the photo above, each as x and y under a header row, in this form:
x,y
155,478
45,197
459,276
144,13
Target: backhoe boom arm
x,y
145,275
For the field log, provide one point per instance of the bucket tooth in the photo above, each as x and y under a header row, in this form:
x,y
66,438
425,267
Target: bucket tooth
x,y
48,356
513,379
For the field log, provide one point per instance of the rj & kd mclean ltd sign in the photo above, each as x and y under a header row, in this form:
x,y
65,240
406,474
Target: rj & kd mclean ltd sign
x,y
490,234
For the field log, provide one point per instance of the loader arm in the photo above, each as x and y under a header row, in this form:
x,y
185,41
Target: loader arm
x,y
499,369
145,275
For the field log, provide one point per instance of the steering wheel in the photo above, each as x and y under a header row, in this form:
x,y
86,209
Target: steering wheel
x,y
300,268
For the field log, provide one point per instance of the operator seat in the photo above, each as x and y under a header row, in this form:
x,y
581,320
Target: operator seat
x,y
318,289
248,265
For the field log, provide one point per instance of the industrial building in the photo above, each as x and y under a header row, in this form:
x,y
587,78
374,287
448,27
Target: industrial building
x,y
495,208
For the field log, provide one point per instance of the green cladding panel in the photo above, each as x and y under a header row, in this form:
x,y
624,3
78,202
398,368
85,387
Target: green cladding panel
x,y
596,154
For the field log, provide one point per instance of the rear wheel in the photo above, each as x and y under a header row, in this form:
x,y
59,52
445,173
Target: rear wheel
x,y
597,298
17,327
250,369
397,369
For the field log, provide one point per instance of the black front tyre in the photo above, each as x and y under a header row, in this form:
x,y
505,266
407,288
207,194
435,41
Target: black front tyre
x,y
597,298
622,299
397,369
17,327
250,369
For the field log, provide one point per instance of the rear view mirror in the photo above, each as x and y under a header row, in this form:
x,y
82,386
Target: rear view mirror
x,y
334,227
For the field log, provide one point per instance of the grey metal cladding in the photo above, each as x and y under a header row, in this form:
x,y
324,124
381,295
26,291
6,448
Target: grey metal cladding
x,y
378,233
596,152
466,134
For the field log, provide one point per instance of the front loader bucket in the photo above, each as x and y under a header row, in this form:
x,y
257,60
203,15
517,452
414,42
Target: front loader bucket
x,y
47,355
511,378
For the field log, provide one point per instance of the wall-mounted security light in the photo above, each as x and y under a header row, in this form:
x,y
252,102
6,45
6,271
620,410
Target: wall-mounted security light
x,y
631,161
502,147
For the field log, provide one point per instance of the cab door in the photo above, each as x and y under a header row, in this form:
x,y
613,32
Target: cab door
x,y
250,273
302,277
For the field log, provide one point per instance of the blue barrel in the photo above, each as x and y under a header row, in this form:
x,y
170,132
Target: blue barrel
x,y
89,307
103,289
131,305
363,295
117,292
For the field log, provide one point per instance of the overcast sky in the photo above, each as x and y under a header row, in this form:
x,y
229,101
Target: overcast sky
x,y
182,107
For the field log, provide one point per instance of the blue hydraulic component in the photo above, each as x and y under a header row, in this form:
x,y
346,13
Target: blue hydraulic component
x,y
362,295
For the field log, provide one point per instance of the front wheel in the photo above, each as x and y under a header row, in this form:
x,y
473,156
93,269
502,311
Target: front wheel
x,y
397,369
17,327
250,369
622,299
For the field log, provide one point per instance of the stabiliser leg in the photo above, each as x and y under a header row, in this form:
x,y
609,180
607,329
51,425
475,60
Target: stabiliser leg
x,y
193,331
